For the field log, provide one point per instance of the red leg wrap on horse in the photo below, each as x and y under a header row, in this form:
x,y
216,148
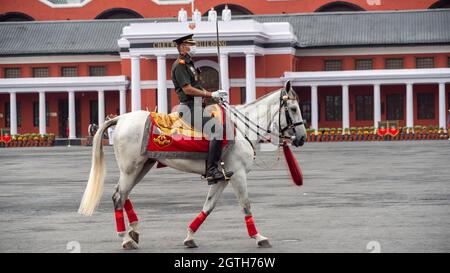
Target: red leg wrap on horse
x,y
250,226
132,217
198,221
120,222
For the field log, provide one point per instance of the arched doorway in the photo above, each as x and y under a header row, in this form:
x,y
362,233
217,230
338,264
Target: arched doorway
x,y
339,6
235,10
442,4
118,13
15,17
209,78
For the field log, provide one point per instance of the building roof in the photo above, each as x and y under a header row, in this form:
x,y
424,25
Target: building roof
x,y
344,29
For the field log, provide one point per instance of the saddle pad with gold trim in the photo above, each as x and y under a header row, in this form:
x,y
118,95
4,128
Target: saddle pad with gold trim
x,y
169,136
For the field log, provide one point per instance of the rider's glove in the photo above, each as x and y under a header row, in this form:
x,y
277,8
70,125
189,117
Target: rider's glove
x,y
219,94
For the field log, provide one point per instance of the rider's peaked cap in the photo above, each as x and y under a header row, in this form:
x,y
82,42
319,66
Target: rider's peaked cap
x,y
185,39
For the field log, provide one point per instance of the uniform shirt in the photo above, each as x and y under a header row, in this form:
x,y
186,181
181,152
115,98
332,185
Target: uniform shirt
x,y
183,73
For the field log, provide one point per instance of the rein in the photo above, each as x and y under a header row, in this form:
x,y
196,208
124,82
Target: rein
x,y
257,129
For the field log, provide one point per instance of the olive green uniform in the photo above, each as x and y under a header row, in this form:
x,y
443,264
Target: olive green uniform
x,y
183,73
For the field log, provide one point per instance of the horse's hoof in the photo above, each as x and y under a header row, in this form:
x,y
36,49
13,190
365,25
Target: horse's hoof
x,y
134,235
130,244
264,243
190,243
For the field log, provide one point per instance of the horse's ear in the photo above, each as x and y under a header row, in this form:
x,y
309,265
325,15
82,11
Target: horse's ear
x,y
287,86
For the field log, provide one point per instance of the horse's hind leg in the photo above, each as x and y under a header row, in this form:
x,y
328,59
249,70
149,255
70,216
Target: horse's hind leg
x,y
211,200
121,201
239,183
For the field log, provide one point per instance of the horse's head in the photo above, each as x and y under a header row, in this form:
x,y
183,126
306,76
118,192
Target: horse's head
x,y
291,120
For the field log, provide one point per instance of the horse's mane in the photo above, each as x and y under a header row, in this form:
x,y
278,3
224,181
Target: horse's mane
x,y
259,99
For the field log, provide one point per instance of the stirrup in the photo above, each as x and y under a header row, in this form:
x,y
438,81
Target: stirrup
x,y
222,164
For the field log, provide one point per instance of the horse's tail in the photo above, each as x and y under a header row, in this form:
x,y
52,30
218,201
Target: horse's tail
x,y
94,187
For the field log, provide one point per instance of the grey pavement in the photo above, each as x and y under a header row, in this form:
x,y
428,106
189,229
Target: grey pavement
x,y
394,195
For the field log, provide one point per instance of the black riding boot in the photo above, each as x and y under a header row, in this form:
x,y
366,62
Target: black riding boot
x,y
213,174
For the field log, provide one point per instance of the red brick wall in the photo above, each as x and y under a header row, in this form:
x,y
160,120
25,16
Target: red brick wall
x,y
148,9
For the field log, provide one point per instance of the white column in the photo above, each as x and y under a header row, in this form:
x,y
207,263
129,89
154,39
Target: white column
x,y
409,106
122,101
442,118
345,108
12,113
224,76
250,78
376,105
101,107
72,121
42,113
314,108
162,87
135,83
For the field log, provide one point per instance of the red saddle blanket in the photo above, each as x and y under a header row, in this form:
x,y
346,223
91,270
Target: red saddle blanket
x,y
169,136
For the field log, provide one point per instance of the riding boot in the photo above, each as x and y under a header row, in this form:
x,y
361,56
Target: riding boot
x,y
213,174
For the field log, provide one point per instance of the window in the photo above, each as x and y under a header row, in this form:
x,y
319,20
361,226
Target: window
x,y
395,104
339,6
36,114
427,62
333,108
118,13
8,112
393,64
39,72
65,3
425,106
12,72
69,71
97,71
305,107
364,107
448,61
364,64
333,65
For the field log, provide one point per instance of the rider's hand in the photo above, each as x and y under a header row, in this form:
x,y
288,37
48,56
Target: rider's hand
x,y
219,94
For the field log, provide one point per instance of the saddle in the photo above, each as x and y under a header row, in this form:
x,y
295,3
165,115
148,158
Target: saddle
x,y
169,136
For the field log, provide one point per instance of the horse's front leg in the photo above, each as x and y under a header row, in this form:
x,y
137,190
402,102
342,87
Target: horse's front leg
x,y
239,183
211,200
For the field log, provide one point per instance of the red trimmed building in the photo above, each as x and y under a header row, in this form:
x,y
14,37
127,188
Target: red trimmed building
x,y
353,63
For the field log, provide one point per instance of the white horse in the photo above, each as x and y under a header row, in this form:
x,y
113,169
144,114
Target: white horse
x,y
282,109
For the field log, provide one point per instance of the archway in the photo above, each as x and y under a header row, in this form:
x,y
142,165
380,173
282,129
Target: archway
x,y
339,6
235,10
15,17
118,13
209,76
442,4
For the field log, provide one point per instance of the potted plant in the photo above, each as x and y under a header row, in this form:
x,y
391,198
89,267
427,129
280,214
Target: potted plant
x,y
416,131
310,133
332,134
441,133
51,139
319,135
339,134
346,134
326,133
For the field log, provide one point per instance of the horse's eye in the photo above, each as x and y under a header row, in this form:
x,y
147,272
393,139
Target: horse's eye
x,y
294,109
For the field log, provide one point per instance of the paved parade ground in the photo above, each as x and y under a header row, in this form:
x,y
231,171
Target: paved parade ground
x,y
391,196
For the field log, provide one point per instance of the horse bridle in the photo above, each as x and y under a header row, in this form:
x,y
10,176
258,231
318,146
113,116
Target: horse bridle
x,y
289,123
284,98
